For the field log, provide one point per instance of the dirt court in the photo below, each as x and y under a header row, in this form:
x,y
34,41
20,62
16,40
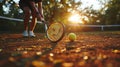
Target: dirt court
x,y
90,49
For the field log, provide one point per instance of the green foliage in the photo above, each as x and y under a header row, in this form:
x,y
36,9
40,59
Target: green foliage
x,y
1,9
12,11
110,11
113,12
57,11
60,11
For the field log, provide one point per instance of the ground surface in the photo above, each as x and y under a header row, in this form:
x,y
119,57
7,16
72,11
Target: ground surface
x,y
91,49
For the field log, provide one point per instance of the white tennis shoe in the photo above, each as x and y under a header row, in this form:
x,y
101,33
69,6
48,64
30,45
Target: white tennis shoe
x,y
25,33
31,34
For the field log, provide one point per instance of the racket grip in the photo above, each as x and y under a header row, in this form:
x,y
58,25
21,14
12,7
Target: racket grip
x,y
46,27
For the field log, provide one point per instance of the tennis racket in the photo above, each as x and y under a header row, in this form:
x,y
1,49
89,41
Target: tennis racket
x,y
55,31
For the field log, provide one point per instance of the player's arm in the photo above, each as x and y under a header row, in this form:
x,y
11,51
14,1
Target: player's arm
x,y
35,10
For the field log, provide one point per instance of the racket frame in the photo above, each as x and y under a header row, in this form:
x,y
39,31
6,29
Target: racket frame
x,y
60,38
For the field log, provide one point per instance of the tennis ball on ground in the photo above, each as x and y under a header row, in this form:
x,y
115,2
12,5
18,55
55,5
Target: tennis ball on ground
x,y
72,36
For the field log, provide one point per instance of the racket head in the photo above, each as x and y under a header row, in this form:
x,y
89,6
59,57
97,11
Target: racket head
x,y
55,32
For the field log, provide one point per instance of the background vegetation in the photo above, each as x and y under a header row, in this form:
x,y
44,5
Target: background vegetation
x,y
60,11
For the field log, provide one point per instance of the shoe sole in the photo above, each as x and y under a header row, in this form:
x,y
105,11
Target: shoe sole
x,y
32,36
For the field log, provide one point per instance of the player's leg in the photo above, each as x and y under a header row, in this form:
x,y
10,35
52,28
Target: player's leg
x,y
34,12
33,24
26,11
25,7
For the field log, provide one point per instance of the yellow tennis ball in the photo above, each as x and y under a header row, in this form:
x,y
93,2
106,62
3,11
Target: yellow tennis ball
x,y
72,36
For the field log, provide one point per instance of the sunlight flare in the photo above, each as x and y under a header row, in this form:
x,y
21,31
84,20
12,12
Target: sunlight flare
x,y
75,18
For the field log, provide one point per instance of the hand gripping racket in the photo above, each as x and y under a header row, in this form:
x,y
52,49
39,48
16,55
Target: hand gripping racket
x,y
55,31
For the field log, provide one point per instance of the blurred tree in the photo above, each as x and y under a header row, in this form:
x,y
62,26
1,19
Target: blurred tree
x,y
10,9
1,8
58,10
113,12
54,10
110,11
91,14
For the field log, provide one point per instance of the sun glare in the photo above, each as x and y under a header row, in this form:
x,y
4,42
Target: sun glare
x,y
75,18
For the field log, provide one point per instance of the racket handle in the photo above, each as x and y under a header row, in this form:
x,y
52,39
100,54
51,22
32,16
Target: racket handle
x,y
46,27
